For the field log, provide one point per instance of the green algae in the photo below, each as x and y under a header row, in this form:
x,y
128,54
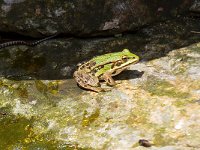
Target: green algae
x,y
27,90
138,116
182,102
18,132
12,130
15,88
87,120
161,139
161,87
46,144
184,59
44,88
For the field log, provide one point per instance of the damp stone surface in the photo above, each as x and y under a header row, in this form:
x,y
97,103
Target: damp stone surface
x,y
156,100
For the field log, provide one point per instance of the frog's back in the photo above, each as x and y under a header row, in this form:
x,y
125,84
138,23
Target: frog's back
x,y
107,58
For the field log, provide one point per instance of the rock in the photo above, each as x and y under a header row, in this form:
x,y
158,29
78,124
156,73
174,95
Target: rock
x,y
84,17
195,7
159,106
57,58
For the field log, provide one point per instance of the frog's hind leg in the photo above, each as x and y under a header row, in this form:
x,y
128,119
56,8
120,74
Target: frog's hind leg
x,y
92,88
108,78
82,84
87,81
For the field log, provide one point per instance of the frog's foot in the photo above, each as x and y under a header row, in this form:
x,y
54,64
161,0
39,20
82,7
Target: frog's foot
x,y
109,80
92,88
118,82
82,84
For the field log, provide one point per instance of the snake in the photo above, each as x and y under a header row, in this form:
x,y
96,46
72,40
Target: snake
x,y
21,42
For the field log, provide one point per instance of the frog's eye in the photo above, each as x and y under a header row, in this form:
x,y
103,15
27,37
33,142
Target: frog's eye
x,y
118,63
79,64
124,58
126,50
92,63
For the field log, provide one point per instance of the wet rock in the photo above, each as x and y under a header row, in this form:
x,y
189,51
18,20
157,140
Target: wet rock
x,y
159,106
195,7
57,58
74,17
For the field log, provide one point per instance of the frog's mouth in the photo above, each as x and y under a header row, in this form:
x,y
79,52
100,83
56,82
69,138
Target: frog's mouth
x,y
125,65
116,70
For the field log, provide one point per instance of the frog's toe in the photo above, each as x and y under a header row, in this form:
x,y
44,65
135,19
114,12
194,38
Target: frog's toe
x,y
98,90
118,82
111,83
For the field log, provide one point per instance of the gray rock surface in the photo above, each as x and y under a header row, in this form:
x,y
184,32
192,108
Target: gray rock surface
x,y
157,100
84,17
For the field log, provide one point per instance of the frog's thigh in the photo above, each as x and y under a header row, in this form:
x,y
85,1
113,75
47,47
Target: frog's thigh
x,y
89,87
95,89
86,78
82,82
108,78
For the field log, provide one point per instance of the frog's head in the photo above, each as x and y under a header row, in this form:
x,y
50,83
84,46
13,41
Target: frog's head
x,y
129,57
126,58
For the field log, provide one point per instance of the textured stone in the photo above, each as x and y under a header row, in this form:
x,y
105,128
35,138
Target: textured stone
x,y
46,114
84,17
195,7
57,58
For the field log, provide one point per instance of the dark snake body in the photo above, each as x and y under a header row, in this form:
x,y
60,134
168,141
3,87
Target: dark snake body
x,y
19,42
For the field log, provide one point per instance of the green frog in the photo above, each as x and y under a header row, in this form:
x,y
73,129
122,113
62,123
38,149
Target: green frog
x,y
90,73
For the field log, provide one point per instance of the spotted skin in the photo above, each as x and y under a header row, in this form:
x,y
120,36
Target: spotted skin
x,y
89,74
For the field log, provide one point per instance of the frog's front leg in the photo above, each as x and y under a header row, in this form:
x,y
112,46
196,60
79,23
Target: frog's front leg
x,y
108,78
